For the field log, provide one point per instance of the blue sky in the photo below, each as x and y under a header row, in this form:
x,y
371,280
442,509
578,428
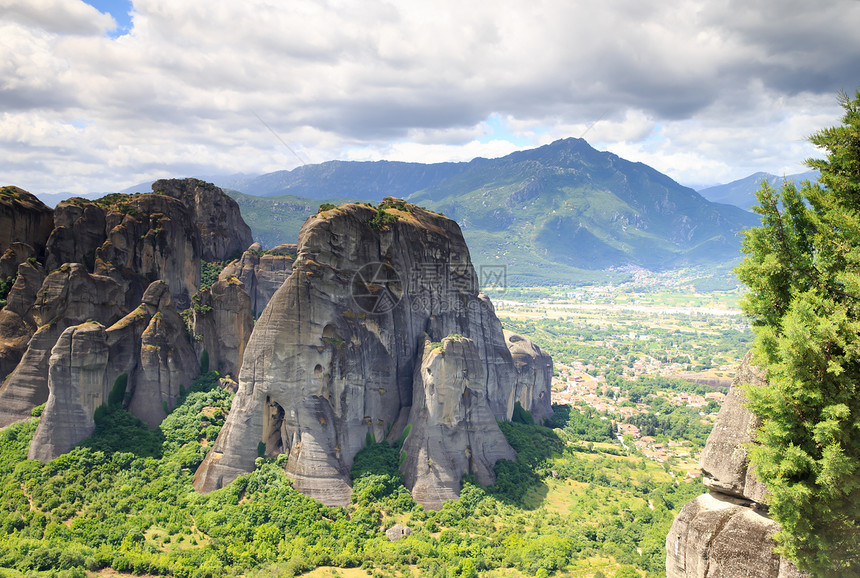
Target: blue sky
x,y
705,92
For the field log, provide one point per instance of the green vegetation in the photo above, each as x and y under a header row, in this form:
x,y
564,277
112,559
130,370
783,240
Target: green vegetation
x,y
123,500
382,220
803,271
6,286
209,272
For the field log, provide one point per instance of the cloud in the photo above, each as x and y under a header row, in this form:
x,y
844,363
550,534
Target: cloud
x,y
700,89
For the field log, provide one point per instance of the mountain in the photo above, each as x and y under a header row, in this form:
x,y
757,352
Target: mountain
x,y
741,193
563,212
369,181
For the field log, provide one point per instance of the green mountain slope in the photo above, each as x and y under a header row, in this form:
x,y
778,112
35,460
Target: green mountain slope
x,y
561,213
741,193
568,205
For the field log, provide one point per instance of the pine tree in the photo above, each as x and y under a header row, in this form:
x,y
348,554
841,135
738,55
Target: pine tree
x,y
803,271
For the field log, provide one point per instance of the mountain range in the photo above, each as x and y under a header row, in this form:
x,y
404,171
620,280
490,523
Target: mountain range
x,y
741,193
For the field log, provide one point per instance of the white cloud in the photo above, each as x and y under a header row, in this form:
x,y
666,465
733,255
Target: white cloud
x,y
701,90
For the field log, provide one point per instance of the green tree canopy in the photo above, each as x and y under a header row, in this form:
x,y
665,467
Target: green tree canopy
x,y
803,271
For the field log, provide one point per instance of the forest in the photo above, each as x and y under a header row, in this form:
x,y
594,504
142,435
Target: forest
x,y
123,500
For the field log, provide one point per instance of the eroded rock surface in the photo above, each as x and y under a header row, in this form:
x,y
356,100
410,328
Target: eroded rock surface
x,y
727,533
24,220
333,356
534,376
453,432
222,322
262,272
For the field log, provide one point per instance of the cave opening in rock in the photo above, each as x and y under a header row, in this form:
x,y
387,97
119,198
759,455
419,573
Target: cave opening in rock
x,y
274,431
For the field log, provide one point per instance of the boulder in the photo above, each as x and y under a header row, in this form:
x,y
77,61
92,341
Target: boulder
x,y
727,532
398,532
534,376
453,432
724,461
332,357
223,233
717,536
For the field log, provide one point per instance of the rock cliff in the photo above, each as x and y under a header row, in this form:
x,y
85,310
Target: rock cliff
x,y
334,355
262,272
534,376
25,223
221,324
146,351
453,432
727,533
103,257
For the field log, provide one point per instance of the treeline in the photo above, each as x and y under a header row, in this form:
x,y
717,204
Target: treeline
x,y
123,500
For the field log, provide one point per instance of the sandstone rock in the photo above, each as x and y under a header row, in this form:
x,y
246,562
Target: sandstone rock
x,y
724,461
222,321
262,272
333,355
149,238
398,532
223,232
16,254
79,229
67,297
453,432
17,318
716,536
534,376
23,219
77,386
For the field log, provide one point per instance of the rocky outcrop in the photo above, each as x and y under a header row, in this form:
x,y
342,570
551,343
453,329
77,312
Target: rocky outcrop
x,y
146,351
262,272
223,233
221,323
76,382
67,297
103,256
333,356
17,318
534,376
25,223
452,430
727,533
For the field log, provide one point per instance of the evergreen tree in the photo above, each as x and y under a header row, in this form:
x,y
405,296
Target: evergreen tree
x,y
803,271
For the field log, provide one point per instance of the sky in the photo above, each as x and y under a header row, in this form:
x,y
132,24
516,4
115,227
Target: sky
x,y
99,96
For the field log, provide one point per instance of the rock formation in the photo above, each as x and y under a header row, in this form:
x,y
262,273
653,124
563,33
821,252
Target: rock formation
x,y
262,272
25,223
146,350
334,354
534,376
221,324
726,533
103,255
223,233
453,432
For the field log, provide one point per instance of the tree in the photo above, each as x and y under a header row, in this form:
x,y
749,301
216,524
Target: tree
x,y
803,271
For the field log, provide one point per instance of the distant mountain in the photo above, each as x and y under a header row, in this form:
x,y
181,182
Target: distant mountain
x,y
741,193
368,180
559,213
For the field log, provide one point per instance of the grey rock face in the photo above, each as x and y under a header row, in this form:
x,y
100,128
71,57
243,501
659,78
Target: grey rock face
x,y
534,376
223,232
77,386
148,345
69,296
333,355
727,533
716,536
23,219
262,273
453,432
17,318
222,323
79,229
724,461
